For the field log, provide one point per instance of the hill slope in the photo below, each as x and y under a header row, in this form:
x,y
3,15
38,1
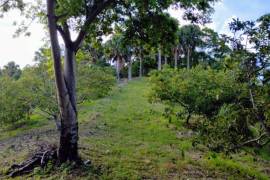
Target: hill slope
x,y
126,137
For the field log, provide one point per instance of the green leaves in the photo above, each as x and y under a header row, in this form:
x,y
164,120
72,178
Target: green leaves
x,y
6,5
70,8
195,88
94,82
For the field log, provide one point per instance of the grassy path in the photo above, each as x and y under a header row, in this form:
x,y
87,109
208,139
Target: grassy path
x,y
126,137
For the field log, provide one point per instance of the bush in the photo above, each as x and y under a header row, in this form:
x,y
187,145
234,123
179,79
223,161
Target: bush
x,y
217,96
94,82
35,90
198,90
12,107
228,129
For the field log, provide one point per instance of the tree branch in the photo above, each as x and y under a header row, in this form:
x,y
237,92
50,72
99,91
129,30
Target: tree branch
x,y
65,34
4,3
91,16
256,140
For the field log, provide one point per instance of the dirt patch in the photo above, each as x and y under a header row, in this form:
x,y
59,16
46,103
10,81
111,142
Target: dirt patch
x,y
28,139
185,134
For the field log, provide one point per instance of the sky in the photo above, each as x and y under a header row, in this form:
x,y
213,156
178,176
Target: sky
x,y
22,49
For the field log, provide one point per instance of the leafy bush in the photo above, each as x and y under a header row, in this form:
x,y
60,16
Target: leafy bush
x,y
38,90
12,107
94,82
216,95
200,91
228,129
35,90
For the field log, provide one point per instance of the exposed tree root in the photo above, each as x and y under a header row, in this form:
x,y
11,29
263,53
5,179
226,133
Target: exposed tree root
x,y
40,158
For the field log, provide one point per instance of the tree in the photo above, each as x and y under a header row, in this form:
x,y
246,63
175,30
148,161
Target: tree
x,y
84,15
190,37
13,108
115,51
194,88
253,58
12,70
214,45
65,79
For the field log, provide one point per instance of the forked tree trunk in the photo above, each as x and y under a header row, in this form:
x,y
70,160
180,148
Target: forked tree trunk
x,y
159,60
65,85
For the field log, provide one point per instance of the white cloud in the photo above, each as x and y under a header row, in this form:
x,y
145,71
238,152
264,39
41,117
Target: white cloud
x,y
178,14
21,49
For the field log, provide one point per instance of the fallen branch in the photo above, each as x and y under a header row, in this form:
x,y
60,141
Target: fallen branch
x,y
40,158
256,140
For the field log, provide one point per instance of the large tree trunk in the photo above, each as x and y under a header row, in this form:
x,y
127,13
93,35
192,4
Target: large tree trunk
x,y
159,60
65,84
68,149
129,68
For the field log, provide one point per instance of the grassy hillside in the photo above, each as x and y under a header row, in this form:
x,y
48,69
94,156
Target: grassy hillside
x,y
126,137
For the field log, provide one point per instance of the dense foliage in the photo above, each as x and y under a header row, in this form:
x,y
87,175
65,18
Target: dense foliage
x,y
201,91
94,82
227,116
34,91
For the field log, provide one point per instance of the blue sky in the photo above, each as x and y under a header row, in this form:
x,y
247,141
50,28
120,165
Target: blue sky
x,y
21,50
225,10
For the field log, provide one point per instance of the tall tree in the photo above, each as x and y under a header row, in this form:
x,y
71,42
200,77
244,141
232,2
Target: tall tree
x,y
81,15
190,37
12,70
115,51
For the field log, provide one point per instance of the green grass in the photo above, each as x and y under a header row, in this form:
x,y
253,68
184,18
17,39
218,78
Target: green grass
x,y
126,137
36,121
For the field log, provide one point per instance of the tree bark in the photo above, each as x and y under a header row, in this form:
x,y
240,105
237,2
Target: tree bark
x,y
159,59
68,149
65,85
175,59
118,68
188,59
166,60
141,68
129,68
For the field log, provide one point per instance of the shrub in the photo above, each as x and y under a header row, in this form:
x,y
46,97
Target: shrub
x,y
35,90
198,90
12,107
228,129
217,96
94,82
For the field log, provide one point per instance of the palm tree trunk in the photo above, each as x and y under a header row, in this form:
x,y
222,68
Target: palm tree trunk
x,y
159,59
188,59
118,68
175,60
141,68
129,69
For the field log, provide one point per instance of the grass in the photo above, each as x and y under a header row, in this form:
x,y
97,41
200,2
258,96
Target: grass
x,y
126,137
36,121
